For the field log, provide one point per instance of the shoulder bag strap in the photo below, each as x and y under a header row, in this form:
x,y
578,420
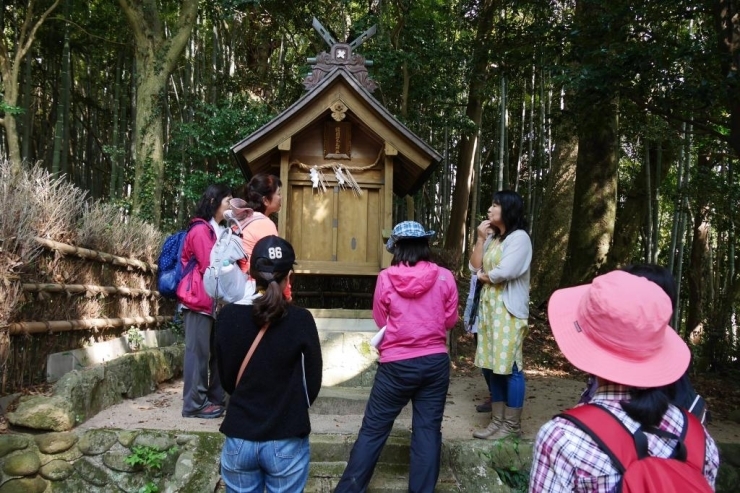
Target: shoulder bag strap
x,y
249,353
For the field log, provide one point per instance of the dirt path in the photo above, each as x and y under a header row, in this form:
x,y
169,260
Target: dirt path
x,y
546,396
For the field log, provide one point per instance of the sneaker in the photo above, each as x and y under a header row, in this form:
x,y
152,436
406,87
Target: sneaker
x,y
484,408
209,412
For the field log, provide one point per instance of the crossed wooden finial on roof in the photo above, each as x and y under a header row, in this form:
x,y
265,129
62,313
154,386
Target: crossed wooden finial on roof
x,y
340,54
331,41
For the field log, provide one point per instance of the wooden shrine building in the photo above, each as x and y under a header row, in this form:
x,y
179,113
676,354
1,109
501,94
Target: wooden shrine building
x,y
340,156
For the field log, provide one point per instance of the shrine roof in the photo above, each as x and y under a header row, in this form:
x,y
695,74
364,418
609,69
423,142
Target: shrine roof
x,y
417,159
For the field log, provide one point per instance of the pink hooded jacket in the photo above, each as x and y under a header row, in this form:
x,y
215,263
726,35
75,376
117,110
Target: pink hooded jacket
x,y
198,244
418,305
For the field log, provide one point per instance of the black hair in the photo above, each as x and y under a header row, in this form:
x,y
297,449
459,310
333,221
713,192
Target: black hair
x,y
410,251
272,305
211,200
659,275
261,186
512,212
647,406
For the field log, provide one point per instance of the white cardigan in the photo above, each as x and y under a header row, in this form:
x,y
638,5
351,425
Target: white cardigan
x,y
514,270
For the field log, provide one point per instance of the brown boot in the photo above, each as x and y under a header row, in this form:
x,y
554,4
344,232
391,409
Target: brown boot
x,y
497,420
511,427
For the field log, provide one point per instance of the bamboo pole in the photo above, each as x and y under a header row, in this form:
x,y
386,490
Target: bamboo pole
x,y
92,323
86,288
94,255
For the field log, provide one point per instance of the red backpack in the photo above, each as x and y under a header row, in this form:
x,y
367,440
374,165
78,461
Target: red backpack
x,y
680,473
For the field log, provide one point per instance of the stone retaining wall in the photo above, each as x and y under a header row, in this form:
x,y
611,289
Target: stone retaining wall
x,y
95,461
81,394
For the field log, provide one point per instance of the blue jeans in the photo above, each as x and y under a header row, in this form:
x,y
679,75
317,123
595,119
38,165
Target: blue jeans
x,y
423,381
508,388
281,466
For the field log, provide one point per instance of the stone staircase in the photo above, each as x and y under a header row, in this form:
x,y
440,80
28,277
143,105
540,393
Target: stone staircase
x,y
336,417
329,458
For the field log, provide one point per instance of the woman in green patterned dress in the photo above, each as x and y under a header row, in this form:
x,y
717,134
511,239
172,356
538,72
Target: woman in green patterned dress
x,y
501,260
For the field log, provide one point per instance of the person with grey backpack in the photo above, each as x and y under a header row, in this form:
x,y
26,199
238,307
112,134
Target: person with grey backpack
x,y
202,396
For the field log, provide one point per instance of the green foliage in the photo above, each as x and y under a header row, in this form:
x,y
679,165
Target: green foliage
x,y
147,457
134,338
150,487
513,477
203,146
516,479
9,109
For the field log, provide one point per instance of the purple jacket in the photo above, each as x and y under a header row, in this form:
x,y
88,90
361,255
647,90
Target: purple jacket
x,y
198,244
418,305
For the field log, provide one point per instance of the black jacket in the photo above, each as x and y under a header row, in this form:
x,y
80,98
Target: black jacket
x,y
270,402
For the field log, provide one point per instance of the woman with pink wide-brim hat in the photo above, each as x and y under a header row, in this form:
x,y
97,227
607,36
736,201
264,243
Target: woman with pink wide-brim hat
x,y
616,328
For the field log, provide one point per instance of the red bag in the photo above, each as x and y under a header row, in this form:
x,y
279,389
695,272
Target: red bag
x,y
642,473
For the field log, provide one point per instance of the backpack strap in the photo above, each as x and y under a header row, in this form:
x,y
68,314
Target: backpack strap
x,y
612,437
191,261
623,448
693,438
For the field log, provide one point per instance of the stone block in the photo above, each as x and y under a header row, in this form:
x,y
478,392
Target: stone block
x,y
24,485
96,442
11,443
54,443
79,395
59,364
22,464
56,470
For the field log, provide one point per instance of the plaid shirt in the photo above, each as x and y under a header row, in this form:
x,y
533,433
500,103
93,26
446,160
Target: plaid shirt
x,y
567,459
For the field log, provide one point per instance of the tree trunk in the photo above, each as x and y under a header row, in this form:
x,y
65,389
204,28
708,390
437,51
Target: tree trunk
x,y
699,252
727,27
63,106
9,71
633,215
595,194
156,56
551,229
469,140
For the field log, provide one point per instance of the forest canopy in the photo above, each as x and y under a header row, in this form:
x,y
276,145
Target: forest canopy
x,y
618,122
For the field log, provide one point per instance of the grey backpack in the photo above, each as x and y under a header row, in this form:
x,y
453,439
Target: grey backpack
x,y
223,279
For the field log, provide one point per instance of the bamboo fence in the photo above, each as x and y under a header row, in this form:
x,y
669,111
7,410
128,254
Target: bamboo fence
x,y
72,297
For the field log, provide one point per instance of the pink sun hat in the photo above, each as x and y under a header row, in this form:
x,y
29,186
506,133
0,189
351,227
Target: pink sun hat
x,y
617,328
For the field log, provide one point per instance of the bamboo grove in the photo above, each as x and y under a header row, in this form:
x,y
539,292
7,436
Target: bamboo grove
x,y
619,121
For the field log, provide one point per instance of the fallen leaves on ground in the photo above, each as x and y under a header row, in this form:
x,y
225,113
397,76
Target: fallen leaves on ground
x,y
721,390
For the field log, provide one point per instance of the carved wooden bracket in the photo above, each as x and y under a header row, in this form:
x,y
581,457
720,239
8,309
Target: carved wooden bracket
x,y
340,55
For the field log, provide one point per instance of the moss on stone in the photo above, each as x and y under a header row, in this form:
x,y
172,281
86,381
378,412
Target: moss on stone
x,y
207,457
157,441
24,485
11,443
90,472
56,470
126,438
54,443
95,442
22,464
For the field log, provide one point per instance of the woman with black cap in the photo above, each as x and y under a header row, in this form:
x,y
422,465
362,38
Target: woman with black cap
x,y
269,359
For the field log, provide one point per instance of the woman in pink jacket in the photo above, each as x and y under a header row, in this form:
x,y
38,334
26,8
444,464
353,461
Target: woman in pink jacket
x,y
202,395
416,301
